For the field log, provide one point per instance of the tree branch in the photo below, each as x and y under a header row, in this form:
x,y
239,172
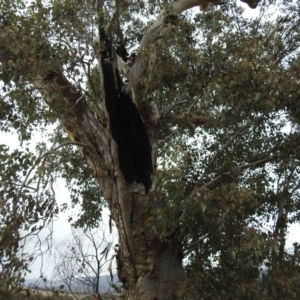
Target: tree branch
x,y
172,106
240,167
192,246
232,171
177,7
141,67
42,157
240,130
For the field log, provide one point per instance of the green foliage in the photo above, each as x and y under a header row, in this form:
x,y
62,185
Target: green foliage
x,y
239,171
84,189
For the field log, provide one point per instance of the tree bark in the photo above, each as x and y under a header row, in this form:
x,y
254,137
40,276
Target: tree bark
x,y
147,267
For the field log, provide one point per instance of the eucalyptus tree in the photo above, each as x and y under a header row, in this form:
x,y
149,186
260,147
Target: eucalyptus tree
x,y
176,119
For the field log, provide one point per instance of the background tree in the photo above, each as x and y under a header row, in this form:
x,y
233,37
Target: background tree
x,y
80,261
192,136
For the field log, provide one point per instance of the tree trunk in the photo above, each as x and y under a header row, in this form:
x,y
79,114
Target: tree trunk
x,y
147,267
120,148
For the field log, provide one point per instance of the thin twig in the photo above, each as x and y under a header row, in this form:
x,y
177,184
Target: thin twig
x,y
44,155
172,106
237,168
191,247
240,130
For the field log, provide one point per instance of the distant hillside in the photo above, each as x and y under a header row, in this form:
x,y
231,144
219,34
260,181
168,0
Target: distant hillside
x,y
104,282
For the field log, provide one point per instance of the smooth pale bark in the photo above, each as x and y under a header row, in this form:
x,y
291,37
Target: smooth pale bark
x,y
177,7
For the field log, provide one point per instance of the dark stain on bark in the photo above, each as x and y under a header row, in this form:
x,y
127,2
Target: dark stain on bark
x,y
126,124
